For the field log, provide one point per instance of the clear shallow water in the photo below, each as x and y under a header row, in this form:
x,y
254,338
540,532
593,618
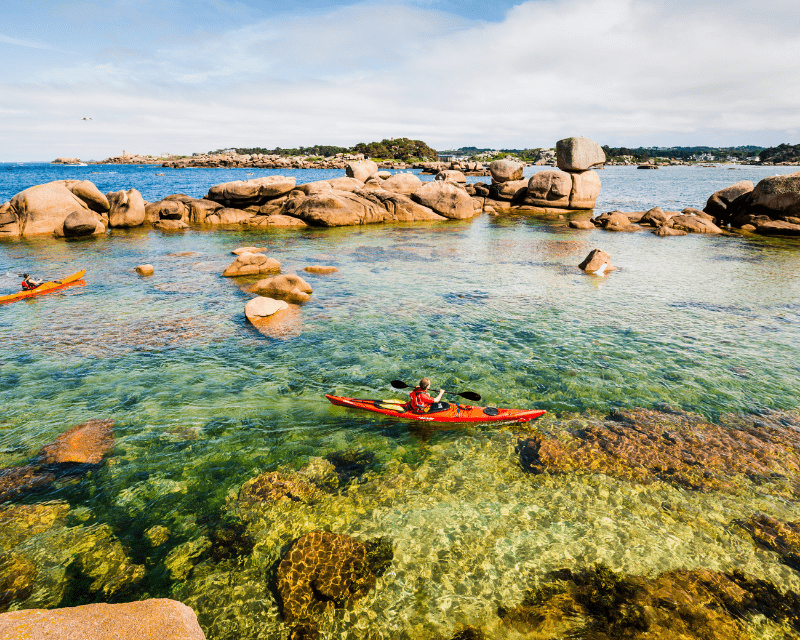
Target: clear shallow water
x,y
203,401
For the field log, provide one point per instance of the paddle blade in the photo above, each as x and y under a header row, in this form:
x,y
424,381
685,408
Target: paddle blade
x,y
470,395
399,384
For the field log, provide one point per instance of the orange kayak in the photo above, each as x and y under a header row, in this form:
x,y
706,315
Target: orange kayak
x,y
453,412
45,287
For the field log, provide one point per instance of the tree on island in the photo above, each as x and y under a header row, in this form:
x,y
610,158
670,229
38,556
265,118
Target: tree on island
x,y
782,153
397,149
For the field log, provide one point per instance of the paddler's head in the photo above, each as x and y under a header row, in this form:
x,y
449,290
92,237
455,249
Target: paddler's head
x,y
424,383
26,275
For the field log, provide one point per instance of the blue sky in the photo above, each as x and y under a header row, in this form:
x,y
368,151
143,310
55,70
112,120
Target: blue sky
x,y
172,76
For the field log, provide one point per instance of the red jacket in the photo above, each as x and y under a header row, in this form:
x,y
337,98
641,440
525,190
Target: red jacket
x,y
420,400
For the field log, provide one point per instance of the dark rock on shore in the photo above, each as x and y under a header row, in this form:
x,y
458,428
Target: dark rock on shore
x,y
772,207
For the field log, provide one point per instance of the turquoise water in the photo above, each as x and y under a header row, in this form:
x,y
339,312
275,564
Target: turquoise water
x,y
203,401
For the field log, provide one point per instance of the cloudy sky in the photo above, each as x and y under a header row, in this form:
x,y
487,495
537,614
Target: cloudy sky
x,y
179,76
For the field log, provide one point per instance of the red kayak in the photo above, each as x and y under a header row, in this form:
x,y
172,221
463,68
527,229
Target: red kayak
x,y
452,411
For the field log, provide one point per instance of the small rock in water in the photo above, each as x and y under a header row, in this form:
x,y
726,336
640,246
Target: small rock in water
x,y
320,269
145,269
597,260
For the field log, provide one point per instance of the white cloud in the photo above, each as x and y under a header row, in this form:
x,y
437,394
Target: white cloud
x,y
619,71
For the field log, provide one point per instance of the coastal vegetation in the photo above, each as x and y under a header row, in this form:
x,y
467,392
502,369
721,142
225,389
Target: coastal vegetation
x,y
389,149
782,153
641,154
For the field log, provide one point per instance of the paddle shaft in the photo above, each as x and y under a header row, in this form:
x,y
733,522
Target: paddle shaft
x,y
469,395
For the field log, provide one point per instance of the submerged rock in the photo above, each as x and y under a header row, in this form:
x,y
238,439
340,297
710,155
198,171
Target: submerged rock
x,y
145,270
85,443
320,269
774,535
699,604
277,487
644,445
323,571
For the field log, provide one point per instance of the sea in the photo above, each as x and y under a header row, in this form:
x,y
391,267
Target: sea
x,y
202,401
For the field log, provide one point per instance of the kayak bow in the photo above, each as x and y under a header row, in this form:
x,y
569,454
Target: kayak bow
x,y
453,413
45,287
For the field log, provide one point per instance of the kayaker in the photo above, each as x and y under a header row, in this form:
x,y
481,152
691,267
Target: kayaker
x,y
29,283
420,401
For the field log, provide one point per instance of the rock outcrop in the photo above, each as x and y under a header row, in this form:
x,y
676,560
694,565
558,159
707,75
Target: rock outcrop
x,y
39,210
772,207
156,618
506,170
248,264
80,223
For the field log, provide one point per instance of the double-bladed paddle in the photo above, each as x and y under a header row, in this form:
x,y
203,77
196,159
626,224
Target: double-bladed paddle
x,y
469,395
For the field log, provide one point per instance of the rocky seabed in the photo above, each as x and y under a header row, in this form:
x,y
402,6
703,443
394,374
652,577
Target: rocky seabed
x,y
640,524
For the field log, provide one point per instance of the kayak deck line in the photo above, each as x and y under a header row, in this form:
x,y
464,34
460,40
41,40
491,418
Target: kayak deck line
x,y
453,412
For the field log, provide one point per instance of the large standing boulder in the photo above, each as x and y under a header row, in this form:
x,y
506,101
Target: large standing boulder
x,y
289,286
578,154
446,199
549,189
399,207
405,183
334,209
506,170
155,618
717,204
361,170
81,223
248,264
42,209
585,189
126,208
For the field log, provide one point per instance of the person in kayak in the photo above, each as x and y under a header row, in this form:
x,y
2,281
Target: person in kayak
x,y
420,401
29,283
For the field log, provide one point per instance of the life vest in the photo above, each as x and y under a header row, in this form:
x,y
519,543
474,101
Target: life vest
x,y
26,286
419,401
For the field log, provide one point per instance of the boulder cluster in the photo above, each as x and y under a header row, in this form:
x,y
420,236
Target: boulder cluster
x,y
664,223
574,186
70,208
772,207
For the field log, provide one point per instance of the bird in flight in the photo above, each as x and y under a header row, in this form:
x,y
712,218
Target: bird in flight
x,y
87,118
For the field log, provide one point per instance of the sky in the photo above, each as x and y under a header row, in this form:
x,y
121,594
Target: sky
x,y
181,76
